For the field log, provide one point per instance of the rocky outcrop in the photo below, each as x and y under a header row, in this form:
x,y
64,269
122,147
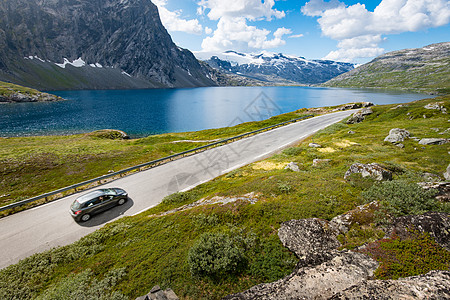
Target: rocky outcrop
x,y
436,106
433,285
360,115
442,189
397,135
433,141
353,106
322,271
92,44
436,224
37,97
373,170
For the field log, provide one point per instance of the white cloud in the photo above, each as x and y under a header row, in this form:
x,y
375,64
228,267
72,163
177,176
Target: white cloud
x,y
296,36
208,30
359,30
173,21
233,32
249,9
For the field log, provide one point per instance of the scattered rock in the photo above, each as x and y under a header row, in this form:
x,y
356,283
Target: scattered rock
x,y
157,294
373,170
415,138
442,189
360,115
292,166
433,141
353,106
447,173
314,145
351,132
317,161
398,106
445,131
433,285
434,223
435,129
431,177
397,135
436,106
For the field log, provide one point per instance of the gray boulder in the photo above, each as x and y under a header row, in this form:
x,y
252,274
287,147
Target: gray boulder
x,y
433,285
157,294
360,115
397,135
292,166
447,173
433,141
436,106
373,170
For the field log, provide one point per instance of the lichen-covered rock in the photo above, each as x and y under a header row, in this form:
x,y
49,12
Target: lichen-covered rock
x,y
436,106
360,115
397,135
434,223
442,189
312,240
433,141
342,271
292,166
373,170
433,285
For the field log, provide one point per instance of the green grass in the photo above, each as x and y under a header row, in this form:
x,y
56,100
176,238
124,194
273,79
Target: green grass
x,y
8,89
148,249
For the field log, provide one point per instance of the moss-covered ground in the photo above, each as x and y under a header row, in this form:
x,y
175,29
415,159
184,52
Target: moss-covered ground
x,y
126,258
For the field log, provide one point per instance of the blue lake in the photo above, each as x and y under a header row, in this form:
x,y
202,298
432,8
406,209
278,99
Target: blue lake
x,y
146,112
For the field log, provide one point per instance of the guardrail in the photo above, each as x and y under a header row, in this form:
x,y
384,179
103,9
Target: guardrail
x,y
145,165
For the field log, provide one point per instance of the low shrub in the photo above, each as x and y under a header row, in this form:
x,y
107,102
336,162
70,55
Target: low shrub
x,y
403,258
216,255
399,198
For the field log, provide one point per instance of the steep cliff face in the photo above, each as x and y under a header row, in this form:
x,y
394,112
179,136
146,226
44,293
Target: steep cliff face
x,y
96,44
423,69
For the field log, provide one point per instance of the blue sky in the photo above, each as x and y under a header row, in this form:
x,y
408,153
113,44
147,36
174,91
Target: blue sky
x,y
342,30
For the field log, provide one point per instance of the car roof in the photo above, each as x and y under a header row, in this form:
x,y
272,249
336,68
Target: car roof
x,y
93,194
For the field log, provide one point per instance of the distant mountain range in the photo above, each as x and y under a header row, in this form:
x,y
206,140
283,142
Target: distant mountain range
x,y
275,68
92,44
424,69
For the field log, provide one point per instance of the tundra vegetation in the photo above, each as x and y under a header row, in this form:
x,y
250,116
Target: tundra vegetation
x,y
126,258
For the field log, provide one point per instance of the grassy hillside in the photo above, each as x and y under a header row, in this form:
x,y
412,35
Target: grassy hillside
x,y
126,258
424,70
15,93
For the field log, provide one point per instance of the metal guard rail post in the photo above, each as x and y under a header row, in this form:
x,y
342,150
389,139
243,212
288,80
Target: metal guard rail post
x,y
153,162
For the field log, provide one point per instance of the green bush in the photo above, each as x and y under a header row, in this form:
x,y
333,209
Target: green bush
x,y
294,151
216,255
177,198
399,198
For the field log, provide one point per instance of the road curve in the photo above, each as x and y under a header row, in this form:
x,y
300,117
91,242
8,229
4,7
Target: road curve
x,y
47,226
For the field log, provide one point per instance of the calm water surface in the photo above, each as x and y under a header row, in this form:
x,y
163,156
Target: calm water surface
x,y
146,112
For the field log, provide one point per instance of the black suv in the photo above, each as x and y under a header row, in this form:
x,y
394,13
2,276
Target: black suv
x,y
95,202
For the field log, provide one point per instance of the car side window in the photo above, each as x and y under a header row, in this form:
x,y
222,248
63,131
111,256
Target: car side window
x,y
93,202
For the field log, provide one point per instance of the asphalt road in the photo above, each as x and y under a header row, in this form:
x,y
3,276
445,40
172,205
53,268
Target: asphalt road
x,y
47,226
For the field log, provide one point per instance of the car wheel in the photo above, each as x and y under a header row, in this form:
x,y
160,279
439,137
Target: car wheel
x,y
121,201
85,217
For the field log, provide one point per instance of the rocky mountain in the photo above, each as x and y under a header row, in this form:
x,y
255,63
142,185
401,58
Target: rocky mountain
x,y
92,44
275,68
424,69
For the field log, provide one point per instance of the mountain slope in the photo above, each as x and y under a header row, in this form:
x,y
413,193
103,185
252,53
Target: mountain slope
x,y
58,44
424,69
275,68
